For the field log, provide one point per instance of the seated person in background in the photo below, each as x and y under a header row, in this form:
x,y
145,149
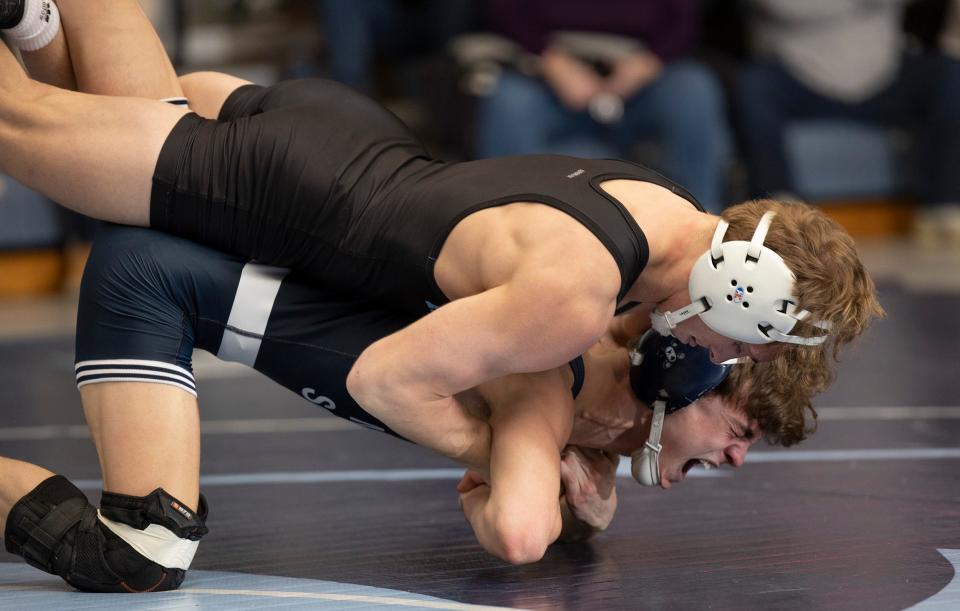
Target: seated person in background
x,y
357,34
149,299
675,102
950,37
848,59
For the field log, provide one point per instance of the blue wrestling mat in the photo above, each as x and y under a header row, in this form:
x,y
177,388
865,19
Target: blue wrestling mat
x,y
25,588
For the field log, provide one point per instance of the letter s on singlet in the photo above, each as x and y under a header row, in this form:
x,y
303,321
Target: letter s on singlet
x,y
311,395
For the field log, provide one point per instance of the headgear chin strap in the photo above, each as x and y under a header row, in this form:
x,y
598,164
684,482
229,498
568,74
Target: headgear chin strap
x,y
645,462
744,291
668,376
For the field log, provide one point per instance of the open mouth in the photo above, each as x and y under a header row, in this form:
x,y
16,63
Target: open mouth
x,y
693,462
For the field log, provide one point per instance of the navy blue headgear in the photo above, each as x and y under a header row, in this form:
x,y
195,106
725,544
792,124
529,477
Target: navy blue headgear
x,y
662,366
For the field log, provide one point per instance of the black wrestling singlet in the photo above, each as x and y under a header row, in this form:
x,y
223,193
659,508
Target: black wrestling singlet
x,y
569,184
313,176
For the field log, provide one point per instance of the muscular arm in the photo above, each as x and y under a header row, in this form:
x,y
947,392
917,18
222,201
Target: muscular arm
x,y
517,515
409,379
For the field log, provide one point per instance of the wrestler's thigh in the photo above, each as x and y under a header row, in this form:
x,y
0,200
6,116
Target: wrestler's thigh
x,y
93,154
147,436
207,91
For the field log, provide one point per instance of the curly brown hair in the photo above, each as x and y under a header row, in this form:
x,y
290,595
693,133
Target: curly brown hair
x,y
831,283
783,410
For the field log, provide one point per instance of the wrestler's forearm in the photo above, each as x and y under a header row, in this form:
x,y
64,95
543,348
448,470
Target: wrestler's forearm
x,y
517,516
476,453
476,507
407,379
449,430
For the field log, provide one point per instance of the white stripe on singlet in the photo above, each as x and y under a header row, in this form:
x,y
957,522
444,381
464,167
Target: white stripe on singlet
x,y
252,305
134,370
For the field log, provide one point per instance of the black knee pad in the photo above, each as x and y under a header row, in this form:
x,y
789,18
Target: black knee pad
x,y
158,507
55,529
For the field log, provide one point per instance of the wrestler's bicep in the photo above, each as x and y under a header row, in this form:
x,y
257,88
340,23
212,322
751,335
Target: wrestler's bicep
x,y
478,338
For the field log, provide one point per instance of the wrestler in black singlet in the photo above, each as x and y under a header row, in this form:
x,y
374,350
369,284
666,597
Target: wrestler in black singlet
x,y
149,299
314,176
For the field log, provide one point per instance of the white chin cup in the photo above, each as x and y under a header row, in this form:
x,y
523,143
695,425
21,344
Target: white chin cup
x,y
645,462
743,291
645,465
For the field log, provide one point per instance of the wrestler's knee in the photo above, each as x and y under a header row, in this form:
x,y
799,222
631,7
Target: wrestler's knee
x,y
133,544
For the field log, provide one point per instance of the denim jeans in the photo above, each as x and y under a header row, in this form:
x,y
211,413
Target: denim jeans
x,y
359,31
682,111
925,97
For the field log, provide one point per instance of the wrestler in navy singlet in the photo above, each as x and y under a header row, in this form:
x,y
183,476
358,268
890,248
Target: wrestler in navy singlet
x,y
149,299
313,176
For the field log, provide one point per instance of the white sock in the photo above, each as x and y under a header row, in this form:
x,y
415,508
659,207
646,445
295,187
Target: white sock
x,y
37,28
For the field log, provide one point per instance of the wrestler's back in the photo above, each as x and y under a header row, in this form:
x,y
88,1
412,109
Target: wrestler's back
x,y
449,230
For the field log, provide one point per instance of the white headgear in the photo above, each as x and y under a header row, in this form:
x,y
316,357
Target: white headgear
x,y
744,291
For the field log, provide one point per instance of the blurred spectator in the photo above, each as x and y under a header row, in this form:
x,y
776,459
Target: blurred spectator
x,y
573,102
847,59
950,40
360,32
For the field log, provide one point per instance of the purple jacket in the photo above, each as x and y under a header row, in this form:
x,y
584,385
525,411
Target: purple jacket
x,y
667,27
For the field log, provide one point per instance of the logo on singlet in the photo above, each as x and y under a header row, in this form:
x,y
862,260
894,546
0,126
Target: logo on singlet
x,y
311,395
577,173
